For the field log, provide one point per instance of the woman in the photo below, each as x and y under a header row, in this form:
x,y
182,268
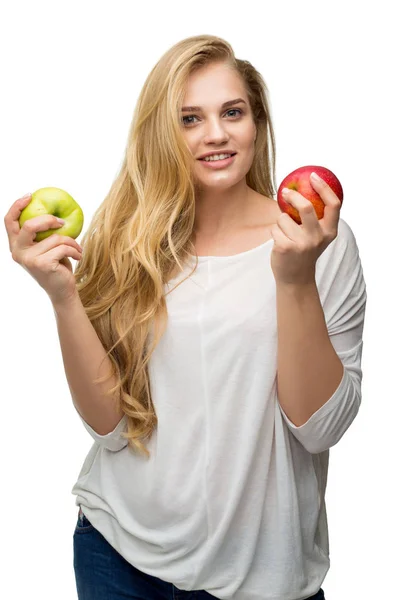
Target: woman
x,y
212,347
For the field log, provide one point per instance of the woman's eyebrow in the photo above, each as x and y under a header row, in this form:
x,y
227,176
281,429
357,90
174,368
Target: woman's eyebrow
x,y
224,105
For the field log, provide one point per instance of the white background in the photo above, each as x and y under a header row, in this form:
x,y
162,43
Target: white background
x,y
71,73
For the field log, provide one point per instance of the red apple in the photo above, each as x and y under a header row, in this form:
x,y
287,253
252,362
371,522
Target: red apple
x,y
299,180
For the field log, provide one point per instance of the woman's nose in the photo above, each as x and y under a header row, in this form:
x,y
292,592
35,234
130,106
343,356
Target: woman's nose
x,y
215,132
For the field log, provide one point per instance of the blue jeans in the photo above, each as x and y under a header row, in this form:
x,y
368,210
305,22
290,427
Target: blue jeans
x,y
101,573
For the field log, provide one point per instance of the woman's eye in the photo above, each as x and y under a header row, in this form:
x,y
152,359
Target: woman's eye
x,y
235,110
185,122
188,117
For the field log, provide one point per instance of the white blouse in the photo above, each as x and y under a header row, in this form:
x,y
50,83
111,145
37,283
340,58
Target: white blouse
x,y
232,498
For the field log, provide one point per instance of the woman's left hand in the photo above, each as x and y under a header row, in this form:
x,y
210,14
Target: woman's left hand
x,y
297,247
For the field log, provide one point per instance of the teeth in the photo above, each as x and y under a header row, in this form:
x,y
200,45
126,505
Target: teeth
x,y
217,157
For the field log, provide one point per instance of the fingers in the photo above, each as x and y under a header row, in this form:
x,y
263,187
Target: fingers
x,y
29,256
332,204
304,207
325,191
27,234
11,218
53,241
289,227
47,262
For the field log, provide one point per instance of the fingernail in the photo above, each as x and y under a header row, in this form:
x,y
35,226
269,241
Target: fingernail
x,y
60,221
315,176
285,191
26,196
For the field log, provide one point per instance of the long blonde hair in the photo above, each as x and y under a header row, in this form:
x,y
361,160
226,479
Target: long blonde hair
x,y
142,231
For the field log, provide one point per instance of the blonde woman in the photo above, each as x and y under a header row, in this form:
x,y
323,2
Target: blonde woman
x,y
212,347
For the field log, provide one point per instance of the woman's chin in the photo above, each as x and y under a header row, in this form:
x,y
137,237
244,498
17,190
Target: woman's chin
x,y
218,182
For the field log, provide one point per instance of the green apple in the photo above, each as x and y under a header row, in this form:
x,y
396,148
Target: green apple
x,y
57,202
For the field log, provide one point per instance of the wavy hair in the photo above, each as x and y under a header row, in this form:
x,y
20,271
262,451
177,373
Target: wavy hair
x,y
142,232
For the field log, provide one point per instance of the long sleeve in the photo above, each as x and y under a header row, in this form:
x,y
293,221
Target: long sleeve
x,y
342,290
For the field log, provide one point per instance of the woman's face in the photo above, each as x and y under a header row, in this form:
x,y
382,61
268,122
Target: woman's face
x,y
210,127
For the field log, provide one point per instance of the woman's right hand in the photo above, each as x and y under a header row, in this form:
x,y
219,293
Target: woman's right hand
x,y
46,260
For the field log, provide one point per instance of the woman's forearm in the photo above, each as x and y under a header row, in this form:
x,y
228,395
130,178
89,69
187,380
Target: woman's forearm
x,y
309,370
82,353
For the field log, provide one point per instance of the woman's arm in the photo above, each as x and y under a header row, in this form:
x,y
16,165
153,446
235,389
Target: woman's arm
x,y
320,343
82,353
309,370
